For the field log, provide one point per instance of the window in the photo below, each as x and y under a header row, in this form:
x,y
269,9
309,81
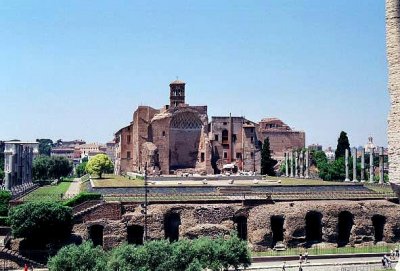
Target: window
x,y
225,155
252,130
202,157
234,137
128,155
252,139
128,139
216,137
252,154
238,155
225,123
224,136
163,133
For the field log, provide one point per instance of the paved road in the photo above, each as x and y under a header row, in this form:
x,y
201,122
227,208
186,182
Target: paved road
x,y
339,264
74,188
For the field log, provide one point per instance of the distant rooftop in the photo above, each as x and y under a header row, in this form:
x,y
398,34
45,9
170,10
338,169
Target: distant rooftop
x,y
177,82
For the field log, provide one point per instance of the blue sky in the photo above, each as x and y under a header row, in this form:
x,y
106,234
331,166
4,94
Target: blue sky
x,y
78,69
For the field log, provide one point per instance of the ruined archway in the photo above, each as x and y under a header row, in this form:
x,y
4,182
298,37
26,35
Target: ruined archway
x,y
135,234
184,140
96,234
171,226
345,224
241,226
378,221
277,222
313,227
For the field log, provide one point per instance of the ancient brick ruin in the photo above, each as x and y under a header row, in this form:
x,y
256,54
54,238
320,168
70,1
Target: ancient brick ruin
x,y
297,223
179,138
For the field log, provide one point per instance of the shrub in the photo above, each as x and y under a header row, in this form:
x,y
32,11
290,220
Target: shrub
x,y
5,197
82,197
42,222
84,257
4,221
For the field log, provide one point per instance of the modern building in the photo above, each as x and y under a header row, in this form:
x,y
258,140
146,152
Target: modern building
x,y
18,159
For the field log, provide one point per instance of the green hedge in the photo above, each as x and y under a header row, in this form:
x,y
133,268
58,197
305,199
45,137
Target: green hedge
x,y
82,197
4,221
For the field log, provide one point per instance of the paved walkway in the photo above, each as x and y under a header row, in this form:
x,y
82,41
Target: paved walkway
x,y
338,264
74,188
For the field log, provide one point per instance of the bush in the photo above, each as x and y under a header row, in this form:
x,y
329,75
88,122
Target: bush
x,y
85,257
42,222
5,197
4,221
81,198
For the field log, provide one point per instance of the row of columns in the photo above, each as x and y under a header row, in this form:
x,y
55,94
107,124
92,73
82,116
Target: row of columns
x,y
297,164
371,165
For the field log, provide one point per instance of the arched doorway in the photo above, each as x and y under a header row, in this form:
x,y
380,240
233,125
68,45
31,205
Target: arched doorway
x,y
277,222
241,226
378,221
171,226
135,234
96,235
313,227
345,224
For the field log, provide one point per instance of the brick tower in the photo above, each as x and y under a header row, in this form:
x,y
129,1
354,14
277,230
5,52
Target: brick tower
x,y
177,93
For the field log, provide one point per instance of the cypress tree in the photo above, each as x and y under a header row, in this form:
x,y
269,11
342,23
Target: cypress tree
x,y
342,146
267,163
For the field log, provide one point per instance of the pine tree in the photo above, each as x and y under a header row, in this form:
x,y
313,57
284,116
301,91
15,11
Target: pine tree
x,y
267,163
342,146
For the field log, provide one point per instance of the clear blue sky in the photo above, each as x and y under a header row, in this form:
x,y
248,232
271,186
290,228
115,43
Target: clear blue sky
x,y
78,69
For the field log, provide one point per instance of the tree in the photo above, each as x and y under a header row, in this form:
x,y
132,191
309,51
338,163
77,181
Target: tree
x,y
81,169
267,163
342,146
45,146
5,197
41,222
59,167
84,257
1,174
40,167
99,164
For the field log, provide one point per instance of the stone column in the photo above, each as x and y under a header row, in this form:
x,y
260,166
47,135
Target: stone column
x,y
296,164
286,164
371,165
346,161
355,165
307,173
393,56
291,165
381,165
301,158
362,165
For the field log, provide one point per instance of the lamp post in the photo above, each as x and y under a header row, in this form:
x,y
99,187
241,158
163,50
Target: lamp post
x,y
145,203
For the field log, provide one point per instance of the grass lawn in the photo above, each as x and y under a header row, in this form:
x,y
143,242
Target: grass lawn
x,y
380,188
49,192
110,180
324,251
292,181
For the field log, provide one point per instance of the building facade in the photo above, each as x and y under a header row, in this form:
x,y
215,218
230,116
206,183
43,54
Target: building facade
x,y
179,138
18,159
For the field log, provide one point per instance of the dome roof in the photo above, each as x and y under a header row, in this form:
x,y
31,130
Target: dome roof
x,y
177,82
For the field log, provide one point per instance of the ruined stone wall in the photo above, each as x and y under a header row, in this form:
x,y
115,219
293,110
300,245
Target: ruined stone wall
x,y
281,141
215,219
393,57
160,128
125,146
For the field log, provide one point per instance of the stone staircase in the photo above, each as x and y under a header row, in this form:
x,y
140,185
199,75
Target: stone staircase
x,y
88,209
11,255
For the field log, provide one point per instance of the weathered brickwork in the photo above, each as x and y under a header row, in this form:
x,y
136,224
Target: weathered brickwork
x,y
178,138
364,223
393,57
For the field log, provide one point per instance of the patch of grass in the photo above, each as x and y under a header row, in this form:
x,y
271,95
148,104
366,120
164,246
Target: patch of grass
x,y
292,181
49,192
110,180
380,188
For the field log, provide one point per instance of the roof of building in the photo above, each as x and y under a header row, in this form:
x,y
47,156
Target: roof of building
x,y
177,82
